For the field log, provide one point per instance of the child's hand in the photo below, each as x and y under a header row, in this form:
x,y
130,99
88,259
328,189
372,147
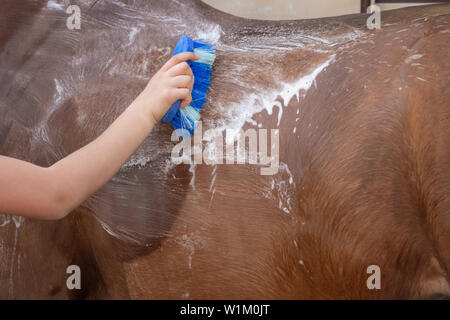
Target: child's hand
x,y
50,193
173,82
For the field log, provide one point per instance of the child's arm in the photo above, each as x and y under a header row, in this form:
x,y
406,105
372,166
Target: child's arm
x,y
51,193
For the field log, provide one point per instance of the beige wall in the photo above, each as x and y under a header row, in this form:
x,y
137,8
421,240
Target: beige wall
x,y
389,6
286,9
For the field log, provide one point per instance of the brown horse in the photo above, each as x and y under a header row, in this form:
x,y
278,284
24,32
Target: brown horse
x,y
363,177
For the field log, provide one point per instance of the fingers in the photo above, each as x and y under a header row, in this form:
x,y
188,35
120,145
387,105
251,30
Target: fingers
x,y
179,58
180,69
183,82
184,85
186,102
178,76
183,94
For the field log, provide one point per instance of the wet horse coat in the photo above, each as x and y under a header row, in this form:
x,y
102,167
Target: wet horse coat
x,y
363,119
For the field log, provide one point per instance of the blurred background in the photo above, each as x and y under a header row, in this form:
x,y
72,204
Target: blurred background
x,y
297,9
286,9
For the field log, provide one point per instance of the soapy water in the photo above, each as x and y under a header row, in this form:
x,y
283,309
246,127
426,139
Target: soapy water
x,y
10,253
123,45
137,25
232,116
251,47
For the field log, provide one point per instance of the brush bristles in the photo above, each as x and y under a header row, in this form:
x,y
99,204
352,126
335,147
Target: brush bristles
x,y
207,56
191,113
188,116
181,121
205,51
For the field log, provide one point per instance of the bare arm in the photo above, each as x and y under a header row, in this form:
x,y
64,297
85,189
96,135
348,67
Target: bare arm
x,y
51,193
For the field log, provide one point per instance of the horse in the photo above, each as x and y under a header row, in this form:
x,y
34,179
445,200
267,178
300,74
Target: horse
x,y
357,122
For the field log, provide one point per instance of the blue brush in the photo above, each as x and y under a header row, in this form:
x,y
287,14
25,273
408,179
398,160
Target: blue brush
x,y
186,118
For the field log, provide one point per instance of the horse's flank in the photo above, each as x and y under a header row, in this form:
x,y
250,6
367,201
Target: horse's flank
x,y
363,119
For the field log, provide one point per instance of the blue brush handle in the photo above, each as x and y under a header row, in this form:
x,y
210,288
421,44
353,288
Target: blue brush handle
x,y
185,44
